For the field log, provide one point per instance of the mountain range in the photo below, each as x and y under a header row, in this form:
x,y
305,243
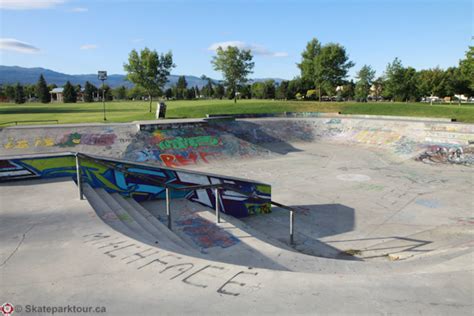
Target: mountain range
x,y
14,74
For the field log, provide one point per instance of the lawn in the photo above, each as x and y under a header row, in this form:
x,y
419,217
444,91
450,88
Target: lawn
x,y
138,110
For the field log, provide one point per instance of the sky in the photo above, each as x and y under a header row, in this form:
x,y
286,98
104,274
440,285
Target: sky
x,y
84,36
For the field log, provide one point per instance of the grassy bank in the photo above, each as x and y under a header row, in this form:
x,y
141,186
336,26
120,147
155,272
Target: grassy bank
x,y
137,110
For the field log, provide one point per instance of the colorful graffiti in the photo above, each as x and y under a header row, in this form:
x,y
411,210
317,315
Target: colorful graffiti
x,y
448,154
142,182
173,161
74,139
68,140
184,143
206,234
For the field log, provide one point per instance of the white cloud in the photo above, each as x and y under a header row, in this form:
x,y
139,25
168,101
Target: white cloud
x,y
29,4
79,10
255,48
12,44
88,46
137,40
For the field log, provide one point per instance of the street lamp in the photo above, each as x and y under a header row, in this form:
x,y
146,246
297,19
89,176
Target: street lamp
x,y
102,75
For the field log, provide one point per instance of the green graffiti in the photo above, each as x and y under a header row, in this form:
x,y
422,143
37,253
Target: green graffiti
x,y
70,140
264,188
254,209
183,143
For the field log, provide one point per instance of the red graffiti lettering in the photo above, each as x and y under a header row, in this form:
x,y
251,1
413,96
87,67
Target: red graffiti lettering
x,y
173,161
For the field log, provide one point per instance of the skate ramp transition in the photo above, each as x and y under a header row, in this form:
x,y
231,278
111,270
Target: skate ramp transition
x,y
185,143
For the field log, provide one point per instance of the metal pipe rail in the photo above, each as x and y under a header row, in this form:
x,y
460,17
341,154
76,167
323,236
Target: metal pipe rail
x,y
168,187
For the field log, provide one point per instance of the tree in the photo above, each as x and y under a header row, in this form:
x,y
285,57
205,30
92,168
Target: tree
x,y
258,90
378,85
245,91
365,78
106,92
235,65
431,82
149,70
282,90
136,93
325,66
269,89
331,67
19,94
207,90
190,94
219,91
394,84
89,91
168,93
466,67
10,93
120,93
69,93
42,90
181,88
308,56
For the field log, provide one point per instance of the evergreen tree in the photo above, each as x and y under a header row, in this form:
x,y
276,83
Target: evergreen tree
x,y
19,94
190,94
10,93
282,90
42,90
269,89
181,88
169,93
89,90
219,92
69,93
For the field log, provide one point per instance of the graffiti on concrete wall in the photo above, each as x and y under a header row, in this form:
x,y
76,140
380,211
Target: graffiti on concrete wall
x,y
142,182
188,145
74,139
447,154
13,143
68,140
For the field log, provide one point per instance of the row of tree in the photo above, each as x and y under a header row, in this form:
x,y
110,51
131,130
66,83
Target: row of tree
x,y
323,73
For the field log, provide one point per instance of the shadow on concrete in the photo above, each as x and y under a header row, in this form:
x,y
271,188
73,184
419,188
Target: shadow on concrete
x,y
389,245
258,136
311,223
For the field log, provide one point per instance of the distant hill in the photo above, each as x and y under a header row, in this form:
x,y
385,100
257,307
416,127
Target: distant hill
x,y
14,74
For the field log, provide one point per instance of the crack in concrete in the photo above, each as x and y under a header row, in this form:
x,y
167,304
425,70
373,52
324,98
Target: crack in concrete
x,y
18,246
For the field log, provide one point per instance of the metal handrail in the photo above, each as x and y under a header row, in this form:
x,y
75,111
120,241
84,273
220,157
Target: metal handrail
x,y
168,187
29,121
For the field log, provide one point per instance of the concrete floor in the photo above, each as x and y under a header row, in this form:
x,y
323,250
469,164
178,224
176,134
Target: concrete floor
x,y
362,200
55,250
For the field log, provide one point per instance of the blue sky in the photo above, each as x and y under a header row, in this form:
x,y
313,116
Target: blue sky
x,y
78,37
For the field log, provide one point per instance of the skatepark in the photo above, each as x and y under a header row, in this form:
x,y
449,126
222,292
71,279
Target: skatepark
x,y
305,213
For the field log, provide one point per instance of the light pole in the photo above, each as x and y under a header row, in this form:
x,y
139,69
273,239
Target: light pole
x,y
102,75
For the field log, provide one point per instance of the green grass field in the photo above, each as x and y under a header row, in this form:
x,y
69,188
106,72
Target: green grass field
x,y
138,110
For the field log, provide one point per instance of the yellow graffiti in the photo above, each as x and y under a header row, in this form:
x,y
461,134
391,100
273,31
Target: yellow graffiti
x,y
44,142
21,144
24,143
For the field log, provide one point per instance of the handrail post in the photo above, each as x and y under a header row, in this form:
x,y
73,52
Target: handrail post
x,y
168,208
79,177
292,226
218,213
